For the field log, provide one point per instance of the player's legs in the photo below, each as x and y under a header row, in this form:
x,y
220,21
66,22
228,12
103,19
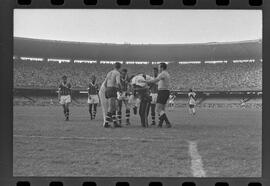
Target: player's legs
x,y
95,110
153,113
161,106
142,112
104,104
67,111
90,105
119,110
127,112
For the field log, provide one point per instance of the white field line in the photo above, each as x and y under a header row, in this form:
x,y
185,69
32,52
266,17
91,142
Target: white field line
x,y
196,160
97,138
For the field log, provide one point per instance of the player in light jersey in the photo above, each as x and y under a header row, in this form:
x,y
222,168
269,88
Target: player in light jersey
x,y
163,80
141,88
64,95
153,94
93,99
192,101
171,102
123,97
112,85
103,101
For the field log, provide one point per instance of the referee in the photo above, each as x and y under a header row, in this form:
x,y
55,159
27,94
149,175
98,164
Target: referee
x,y
163,80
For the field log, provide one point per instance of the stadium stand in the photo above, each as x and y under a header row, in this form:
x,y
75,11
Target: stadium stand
x,y
222,77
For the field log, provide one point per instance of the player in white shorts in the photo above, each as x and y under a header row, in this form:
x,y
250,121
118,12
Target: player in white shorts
x,y
123,97
171,102
192,101
64,95
93,99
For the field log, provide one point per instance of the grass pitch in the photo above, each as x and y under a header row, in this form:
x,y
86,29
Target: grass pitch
x,y
226,143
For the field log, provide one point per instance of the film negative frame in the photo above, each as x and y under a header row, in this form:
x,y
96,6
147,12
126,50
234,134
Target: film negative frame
x,y
6,115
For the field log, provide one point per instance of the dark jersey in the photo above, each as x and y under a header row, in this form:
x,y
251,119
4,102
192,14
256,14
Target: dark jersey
x,y
154,88
124,83
65,89
92,89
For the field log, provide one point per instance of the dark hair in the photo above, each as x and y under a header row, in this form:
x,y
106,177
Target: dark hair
x,y
117,65
124,70
163,66
155,68
190,90
64,77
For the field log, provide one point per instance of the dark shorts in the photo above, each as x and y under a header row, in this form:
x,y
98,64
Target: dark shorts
x,y
111,92
191,106
163,96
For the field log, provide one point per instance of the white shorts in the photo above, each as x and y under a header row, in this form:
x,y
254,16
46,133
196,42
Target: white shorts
x,y
65,99
93,99
154,98
171,101
122,96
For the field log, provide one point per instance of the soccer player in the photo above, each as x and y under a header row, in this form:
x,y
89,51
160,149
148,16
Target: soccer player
x,y
171,101
142,90
192,101
93,99
123,97
153,94
112,85
64,95
163,80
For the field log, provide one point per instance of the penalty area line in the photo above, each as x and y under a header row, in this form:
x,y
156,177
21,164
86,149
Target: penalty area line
x,y
196,160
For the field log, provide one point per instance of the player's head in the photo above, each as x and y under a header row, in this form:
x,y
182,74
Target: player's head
x,y
162,66
64,78
93,78
190,90
155,69
124,72
117,65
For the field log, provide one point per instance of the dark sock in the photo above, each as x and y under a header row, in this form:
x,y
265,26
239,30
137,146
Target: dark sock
x,y
95,110
119,116
90,110
67,112
127,114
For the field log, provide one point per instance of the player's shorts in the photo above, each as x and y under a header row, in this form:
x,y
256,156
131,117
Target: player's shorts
x,y
93,99
154,98
111,92
133,100
65,99
171,101
191,106
163,96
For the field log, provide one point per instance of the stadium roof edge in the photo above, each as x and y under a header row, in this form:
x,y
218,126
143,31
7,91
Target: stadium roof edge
x,y
180,44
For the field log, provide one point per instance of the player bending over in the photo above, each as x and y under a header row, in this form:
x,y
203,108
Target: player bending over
x,y
123,97
153,94
141,89
93,99
64,95
192,101
112,85
163,80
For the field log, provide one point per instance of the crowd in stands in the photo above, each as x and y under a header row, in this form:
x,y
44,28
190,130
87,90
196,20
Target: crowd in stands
x,y
228,76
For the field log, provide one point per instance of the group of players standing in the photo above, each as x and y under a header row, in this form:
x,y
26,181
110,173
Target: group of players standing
x,y
137,91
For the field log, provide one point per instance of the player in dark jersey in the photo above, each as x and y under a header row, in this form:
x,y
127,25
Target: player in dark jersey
x,y
93,99
153,94
64,95
123,97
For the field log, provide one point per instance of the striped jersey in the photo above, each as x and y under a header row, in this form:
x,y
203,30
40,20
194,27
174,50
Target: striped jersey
x,y
65,89
191,96
92,89
124,83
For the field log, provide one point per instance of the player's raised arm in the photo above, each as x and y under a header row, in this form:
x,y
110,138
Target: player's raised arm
x,y
155,80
